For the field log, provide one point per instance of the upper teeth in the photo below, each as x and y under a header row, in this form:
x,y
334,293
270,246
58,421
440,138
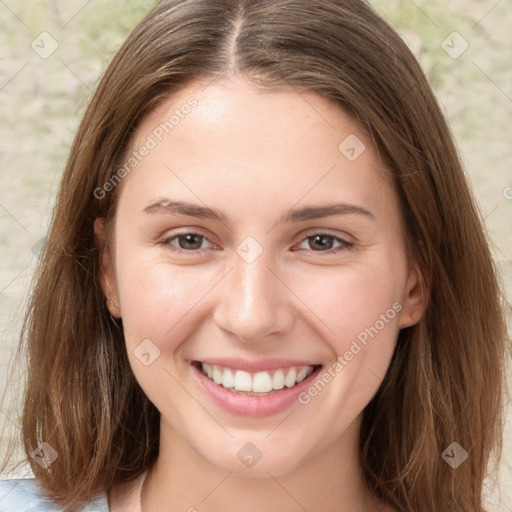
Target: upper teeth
x,y
259,382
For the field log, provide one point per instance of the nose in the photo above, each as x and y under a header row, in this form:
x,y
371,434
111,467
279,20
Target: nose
x,y
254,303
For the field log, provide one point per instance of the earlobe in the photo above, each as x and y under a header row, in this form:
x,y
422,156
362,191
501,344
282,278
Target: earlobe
x,y
107,276
415,300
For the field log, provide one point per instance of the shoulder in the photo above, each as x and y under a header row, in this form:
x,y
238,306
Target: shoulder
x,y
25,495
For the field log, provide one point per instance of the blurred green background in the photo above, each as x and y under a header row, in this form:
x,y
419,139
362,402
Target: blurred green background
x,y
42,97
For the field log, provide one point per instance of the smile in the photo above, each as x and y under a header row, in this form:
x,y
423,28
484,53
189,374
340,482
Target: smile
x,y
253,391
260,383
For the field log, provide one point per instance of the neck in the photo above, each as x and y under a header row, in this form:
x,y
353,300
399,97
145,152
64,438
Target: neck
x,y
182,480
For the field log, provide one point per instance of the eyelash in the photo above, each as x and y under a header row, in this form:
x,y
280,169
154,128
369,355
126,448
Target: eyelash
x,y
345,245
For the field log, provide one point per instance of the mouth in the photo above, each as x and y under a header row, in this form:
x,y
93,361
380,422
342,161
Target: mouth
x,y
259,389
261,383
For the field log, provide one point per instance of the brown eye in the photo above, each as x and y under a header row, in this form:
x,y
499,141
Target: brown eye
x,y
321,242
186,242
190,241
325,243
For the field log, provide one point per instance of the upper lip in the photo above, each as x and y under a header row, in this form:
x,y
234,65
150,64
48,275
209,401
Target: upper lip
x,y
248,365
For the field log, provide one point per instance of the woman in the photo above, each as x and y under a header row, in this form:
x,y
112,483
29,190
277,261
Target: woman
x,y
265,277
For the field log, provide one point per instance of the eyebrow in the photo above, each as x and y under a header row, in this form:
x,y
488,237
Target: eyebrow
x,y
293,215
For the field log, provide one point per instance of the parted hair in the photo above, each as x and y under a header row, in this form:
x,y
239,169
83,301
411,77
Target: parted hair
x,y
445,382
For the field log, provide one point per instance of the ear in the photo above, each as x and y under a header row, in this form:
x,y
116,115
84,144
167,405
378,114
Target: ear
x,y
416,298
107,276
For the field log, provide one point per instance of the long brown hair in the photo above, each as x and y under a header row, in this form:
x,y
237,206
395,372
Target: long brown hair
x,y
446,380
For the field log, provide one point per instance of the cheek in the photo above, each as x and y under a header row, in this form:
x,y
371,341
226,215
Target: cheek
x,y
158,300
358,315
348,300
163,302
160,304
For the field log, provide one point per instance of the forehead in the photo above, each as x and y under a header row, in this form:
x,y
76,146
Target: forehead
x,y
240,142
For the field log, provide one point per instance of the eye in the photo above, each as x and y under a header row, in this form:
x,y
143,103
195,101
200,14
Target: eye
x,y
324,242
186,242
192,242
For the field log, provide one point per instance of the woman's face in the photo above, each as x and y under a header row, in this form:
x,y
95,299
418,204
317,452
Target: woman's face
x,y
256,233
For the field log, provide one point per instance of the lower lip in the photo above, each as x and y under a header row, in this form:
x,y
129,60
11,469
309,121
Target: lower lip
x,y
247,405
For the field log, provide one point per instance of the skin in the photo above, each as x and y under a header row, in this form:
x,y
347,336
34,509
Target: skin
x,y
254,155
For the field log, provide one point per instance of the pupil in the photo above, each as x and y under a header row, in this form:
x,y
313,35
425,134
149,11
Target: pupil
x,y
324,241
189,240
